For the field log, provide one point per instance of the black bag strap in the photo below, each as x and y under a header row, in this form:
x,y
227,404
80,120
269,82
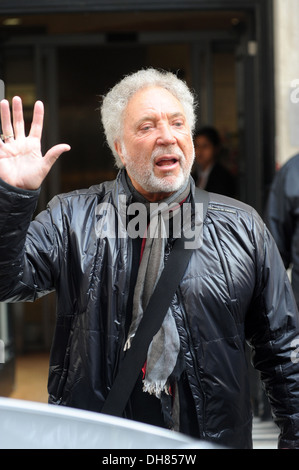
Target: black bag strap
x,y
151,321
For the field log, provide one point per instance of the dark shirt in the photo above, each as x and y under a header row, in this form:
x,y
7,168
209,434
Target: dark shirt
x,y
142,406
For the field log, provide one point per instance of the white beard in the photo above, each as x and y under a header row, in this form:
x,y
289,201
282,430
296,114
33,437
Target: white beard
x,y
146,178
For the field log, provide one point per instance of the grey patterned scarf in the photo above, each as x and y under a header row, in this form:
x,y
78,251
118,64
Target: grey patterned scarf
x,y
164,349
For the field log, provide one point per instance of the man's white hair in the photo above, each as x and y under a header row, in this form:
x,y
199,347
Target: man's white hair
x,y
116,101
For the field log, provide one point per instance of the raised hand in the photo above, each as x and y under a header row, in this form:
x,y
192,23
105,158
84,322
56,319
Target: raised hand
x,y
21,161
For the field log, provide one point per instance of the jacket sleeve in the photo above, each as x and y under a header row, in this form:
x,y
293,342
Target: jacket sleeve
x,y
272,329
29,253
280,217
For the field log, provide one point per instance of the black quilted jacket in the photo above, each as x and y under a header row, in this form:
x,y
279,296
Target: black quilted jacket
x,y
234,289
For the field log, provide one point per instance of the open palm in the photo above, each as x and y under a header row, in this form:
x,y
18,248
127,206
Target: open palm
x,y
21,161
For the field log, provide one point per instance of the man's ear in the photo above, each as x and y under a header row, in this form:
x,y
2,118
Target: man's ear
x,y
119,149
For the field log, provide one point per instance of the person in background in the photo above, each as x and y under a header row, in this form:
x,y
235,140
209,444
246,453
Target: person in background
x,y
209,173
281,216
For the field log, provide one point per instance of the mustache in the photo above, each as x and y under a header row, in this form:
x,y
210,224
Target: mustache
x,y
171,149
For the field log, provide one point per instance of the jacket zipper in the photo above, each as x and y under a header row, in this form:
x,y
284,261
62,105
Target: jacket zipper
x,y
190,342
123,319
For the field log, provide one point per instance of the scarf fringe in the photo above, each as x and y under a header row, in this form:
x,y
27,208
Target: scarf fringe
x,y
155,388
128,342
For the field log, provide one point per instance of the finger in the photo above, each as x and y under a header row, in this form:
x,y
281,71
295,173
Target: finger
x,y
6,125
54,153
18,119
37,120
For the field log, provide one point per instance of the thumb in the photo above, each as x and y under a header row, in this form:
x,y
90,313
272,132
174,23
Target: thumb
x,y
54,153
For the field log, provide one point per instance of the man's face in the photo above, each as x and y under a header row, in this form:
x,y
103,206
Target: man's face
x,y
156,148
204,152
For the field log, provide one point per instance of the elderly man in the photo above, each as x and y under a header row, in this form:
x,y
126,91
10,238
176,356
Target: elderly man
x,y
235,287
